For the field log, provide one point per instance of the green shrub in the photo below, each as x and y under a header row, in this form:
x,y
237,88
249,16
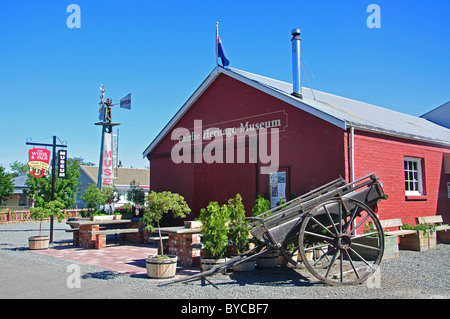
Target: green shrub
x,y
238,229
214,229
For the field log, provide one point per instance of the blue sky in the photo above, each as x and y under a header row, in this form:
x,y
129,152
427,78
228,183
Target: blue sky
x,y
161,51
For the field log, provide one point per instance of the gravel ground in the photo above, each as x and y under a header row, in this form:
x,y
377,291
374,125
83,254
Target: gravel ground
x,y
415,275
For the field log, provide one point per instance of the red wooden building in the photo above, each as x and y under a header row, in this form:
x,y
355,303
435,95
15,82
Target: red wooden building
x,y
320,137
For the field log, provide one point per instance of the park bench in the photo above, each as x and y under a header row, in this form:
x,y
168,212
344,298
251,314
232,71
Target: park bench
x,y
395,222
441,228
100,234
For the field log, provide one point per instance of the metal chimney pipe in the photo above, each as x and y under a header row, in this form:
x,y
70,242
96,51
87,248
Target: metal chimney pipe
x,y
296,62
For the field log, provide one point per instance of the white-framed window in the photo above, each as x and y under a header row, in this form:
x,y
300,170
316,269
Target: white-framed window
x,y
413,176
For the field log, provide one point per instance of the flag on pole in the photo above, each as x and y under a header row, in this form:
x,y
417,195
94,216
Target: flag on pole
x,y
220,51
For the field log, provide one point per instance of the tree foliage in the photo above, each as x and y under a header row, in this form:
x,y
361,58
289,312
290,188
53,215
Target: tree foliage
x,y
238,228
18,168
162,203
6,184
46,210
93,197
65,188
136,194
214,229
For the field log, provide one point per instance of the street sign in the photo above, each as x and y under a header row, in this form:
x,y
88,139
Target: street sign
x,y
39,162
62,160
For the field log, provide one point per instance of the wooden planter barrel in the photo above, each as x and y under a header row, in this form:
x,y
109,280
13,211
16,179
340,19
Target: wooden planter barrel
x,y
245,266
208,263
38,242
268,260
161,267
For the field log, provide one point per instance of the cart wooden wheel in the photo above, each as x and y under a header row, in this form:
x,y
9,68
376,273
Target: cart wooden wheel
x,y
341,241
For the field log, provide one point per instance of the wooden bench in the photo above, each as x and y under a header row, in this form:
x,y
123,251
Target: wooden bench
x,y
395,222
101,235
115,231
441,228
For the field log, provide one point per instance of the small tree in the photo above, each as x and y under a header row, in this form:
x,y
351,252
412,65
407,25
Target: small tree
x,y
238,229
93,197
159,204
262,205
46,210
110,196
136,194
214,229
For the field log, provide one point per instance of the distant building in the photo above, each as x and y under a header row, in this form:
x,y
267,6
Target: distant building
x,y
18,200
122,179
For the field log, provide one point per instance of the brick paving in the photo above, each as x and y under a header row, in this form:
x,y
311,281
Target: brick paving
x,y
119,258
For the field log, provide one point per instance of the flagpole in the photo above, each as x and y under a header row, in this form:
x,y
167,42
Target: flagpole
x,y
217,43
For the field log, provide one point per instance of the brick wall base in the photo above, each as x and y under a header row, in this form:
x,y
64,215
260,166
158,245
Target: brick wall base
x,y
180,245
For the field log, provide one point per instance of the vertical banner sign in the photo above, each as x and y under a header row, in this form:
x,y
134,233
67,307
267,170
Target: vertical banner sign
x,y
39,162
107,166
62,158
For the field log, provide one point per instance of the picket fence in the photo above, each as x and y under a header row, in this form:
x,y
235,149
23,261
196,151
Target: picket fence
x,y
20,216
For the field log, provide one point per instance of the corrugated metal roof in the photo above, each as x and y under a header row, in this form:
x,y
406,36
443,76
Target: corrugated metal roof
x,y
359,114
337,110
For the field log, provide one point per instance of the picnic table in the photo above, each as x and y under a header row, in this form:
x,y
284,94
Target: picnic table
x,y
92,233
179,241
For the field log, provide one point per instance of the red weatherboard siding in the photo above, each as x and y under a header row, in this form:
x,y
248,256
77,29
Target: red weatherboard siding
x,y
310,148
383,156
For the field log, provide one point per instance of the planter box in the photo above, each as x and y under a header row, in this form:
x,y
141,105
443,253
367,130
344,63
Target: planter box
x,y
390,247
105,217
444,236
420,241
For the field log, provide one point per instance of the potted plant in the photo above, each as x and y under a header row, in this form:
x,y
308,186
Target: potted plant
x,y
268,260
214,232
44,210
158,204
238,231
423,239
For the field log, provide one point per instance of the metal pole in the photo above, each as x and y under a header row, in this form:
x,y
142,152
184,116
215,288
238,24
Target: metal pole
x,y
53,185
54,146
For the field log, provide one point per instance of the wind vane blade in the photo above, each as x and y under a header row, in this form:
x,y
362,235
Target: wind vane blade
x,y
125,102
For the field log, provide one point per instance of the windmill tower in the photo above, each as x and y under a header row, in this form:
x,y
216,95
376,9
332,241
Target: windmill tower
x,y
106,168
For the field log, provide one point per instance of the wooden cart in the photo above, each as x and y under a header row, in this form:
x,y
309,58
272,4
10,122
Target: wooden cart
x,y
326,228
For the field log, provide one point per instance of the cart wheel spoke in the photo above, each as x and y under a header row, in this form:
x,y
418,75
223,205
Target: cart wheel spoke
x,y
347,231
